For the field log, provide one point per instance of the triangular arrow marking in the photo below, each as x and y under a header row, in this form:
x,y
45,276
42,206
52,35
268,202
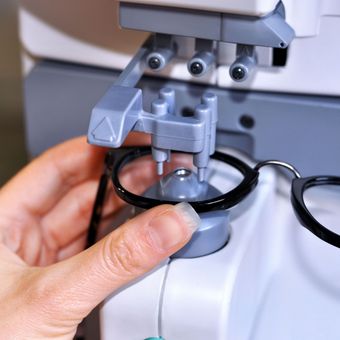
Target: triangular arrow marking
x,y
104,131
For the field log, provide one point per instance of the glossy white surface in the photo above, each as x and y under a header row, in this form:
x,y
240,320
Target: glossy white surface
x,y
138,302
274,280
248,7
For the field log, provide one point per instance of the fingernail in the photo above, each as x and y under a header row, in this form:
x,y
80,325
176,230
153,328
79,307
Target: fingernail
x,y
190,216
173,228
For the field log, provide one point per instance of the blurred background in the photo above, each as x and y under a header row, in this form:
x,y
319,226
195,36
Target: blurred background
x,y
12,145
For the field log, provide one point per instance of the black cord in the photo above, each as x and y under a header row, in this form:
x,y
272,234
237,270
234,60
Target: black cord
x,y
100,200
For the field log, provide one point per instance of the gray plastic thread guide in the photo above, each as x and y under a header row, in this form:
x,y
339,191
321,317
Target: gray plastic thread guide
x,y
121,111
115,116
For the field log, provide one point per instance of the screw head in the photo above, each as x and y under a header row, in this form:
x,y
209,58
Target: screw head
x,y
154,63
247,121
238,73
196,68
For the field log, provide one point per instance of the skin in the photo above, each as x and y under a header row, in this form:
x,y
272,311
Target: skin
x,y
48,283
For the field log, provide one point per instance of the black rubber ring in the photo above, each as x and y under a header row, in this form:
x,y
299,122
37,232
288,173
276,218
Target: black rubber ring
x,y
221,202
299,186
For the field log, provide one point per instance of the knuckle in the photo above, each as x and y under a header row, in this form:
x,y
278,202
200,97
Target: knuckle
x,y
123,257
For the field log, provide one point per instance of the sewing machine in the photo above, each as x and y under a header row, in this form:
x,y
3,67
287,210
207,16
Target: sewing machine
x,y
254,78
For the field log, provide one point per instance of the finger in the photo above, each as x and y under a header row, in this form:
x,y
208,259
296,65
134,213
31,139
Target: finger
x,y
73,248
137,139
31,245
11,265
47,256
139,175
78,245
43,182
70,217
80,283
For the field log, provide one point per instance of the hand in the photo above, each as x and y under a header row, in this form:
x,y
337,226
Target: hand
x,y
46,290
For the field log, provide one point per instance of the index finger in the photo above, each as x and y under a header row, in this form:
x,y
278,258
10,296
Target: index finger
x,y
41,184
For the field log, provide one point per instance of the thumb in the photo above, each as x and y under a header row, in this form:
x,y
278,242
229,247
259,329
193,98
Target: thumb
x,y
77,285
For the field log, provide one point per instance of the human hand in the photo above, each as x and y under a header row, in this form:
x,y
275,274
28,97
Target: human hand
x,y
44,214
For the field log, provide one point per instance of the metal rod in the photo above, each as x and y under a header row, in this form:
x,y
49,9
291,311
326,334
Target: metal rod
x,y
278,163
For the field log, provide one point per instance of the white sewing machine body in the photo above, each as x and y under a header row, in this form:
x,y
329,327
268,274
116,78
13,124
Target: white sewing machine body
x,y
273,280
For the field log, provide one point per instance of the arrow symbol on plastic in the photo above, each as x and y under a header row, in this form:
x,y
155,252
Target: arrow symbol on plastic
x,y
104,131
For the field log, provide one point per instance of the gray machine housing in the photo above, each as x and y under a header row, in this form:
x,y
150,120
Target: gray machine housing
x,y
270,30
299,129
293,128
